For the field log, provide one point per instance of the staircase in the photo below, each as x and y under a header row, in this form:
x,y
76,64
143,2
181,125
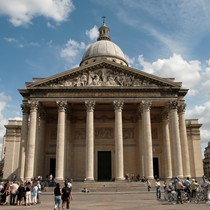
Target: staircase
x,y
122,186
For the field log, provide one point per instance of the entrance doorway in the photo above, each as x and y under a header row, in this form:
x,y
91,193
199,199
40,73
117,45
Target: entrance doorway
x,y
104,166
52,166
155,167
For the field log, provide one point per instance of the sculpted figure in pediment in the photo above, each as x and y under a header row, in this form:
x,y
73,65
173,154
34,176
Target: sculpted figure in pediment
x,y
104,77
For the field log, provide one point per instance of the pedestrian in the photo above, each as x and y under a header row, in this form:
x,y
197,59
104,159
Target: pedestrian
x,y
66,196
148,185
28,193
13,193
179,188
57,194
194,185
34,193
21,195
158,188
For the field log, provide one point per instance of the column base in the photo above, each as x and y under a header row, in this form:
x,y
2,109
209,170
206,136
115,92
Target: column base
x,y
120,179
150,177
89,180
59,179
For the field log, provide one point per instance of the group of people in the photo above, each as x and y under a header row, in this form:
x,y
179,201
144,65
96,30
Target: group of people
x,y
178,186
63,196
23,193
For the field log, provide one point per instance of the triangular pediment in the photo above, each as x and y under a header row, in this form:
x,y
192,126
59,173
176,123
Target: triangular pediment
x,y
103,74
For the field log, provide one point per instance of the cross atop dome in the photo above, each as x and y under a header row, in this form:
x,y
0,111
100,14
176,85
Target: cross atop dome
x,y
103,19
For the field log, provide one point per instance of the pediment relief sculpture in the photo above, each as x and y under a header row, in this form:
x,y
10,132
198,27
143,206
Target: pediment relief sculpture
x,y
106,77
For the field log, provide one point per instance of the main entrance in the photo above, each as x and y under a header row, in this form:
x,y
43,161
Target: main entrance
x,y
104,166
156,167
52,166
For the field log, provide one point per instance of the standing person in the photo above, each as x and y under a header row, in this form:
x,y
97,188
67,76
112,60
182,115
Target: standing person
x,y
194,185
66,196
21,195
34,193
187,188
28,193
39,187
13,193
179,188
57,194
5,193
148,185
158,188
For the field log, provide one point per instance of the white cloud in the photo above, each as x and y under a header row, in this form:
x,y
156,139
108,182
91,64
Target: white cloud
x,y
21,44
3,120
71,50
131,61
92,33
22,12
171,23
14,41
187,72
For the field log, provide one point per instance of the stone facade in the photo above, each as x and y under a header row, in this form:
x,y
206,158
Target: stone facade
x,y
206,161
103,120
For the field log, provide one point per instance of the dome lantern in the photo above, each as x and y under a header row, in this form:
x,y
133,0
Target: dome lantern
x,y
103,48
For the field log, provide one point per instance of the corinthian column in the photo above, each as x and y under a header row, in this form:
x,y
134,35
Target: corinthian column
x,y
41,142
119,163
29,173
140,142
175,137
167,146
90,140
60,145
147,135
184,142
24,137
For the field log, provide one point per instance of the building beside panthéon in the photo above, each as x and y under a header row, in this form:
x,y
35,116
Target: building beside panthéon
x,y
102,120
206,161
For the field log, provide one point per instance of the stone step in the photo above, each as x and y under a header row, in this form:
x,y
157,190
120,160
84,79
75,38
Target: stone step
x,y
106,186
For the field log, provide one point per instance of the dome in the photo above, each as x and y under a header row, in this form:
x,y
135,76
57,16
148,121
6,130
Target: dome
x,y
104,48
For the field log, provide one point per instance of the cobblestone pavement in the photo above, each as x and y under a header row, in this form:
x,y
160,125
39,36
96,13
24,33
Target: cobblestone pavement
x,y
112,201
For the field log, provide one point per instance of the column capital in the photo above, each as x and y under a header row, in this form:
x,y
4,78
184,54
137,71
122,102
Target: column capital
x,y
118,104
182,107
164,115
34,105
90,105
25,108
172,105
62,105
42,113
146,105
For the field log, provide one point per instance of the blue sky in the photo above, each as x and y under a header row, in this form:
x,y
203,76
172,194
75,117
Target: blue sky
x,y
166,38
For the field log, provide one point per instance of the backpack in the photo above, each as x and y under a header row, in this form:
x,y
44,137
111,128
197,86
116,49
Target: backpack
x,y
66,192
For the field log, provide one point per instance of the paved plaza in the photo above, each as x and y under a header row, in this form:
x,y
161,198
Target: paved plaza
x,y
112,201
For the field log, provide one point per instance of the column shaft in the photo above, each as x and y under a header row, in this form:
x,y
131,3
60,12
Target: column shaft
x,y
184,141
146,106
119,162
24,138
29,173
167,146
90,140
176,145
40,160
140,143
60,146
